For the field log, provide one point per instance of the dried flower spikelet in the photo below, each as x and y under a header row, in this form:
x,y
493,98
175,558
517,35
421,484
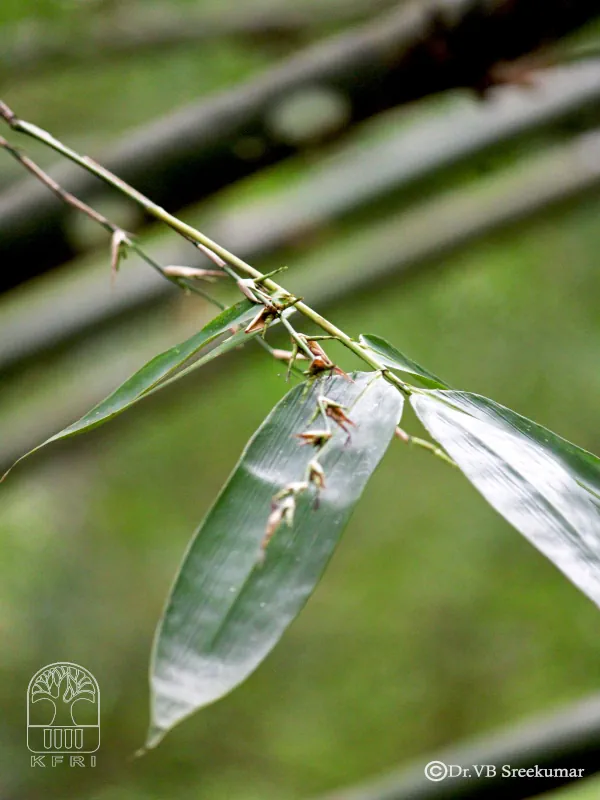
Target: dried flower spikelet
x,y
322,362
288,508
281,511
315,438
293,488
247,287
402,435
339,371
273,522
318,365
336,412
175,271
119,238
261,321
316,474
317,351
211,254
286,355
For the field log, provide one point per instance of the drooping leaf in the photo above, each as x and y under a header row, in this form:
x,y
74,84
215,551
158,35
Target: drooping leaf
x,y
394,359
546,487
227,610
237,339
155,373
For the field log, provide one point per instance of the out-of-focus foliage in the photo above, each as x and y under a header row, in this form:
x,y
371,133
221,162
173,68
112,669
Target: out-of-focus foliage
x,y
435,621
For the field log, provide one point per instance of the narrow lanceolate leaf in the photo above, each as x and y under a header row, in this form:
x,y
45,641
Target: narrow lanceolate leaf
x,y
546,487
156,372
231,602
394,359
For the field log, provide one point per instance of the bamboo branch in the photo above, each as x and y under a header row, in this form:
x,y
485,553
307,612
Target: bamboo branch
x,y
417,50
394,248
193,235
119,236
178,276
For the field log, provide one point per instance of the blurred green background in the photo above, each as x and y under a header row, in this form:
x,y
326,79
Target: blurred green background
x,y
435,622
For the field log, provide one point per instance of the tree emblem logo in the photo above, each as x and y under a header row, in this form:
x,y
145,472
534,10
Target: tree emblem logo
x,y
63,710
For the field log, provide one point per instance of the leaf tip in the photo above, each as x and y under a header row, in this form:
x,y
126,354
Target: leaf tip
x,y
10,469
153,739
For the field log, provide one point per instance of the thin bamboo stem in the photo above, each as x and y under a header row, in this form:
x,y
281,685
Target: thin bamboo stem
x,y
192,234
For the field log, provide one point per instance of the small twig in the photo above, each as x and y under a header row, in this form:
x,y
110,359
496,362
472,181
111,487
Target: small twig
x,y
209,254
186,285
119,236
192,234
322,410
271,311
425,445
194,273
296,337
46,179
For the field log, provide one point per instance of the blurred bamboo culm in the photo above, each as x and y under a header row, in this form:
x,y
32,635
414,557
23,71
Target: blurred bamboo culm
x,y
557,749
31,48
411,52
394,165
395,249
382,198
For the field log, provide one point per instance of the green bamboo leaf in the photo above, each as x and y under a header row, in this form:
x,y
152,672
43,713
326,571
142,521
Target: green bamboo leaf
x,y
227,610
155,373
237,339
394,359
546,487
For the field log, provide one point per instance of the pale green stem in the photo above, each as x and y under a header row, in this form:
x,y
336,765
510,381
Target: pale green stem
x,y
425,445
296,337
110,227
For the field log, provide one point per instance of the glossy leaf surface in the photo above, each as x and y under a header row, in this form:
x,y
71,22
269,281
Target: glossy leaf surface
x,y
546,487
394,359
227,610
